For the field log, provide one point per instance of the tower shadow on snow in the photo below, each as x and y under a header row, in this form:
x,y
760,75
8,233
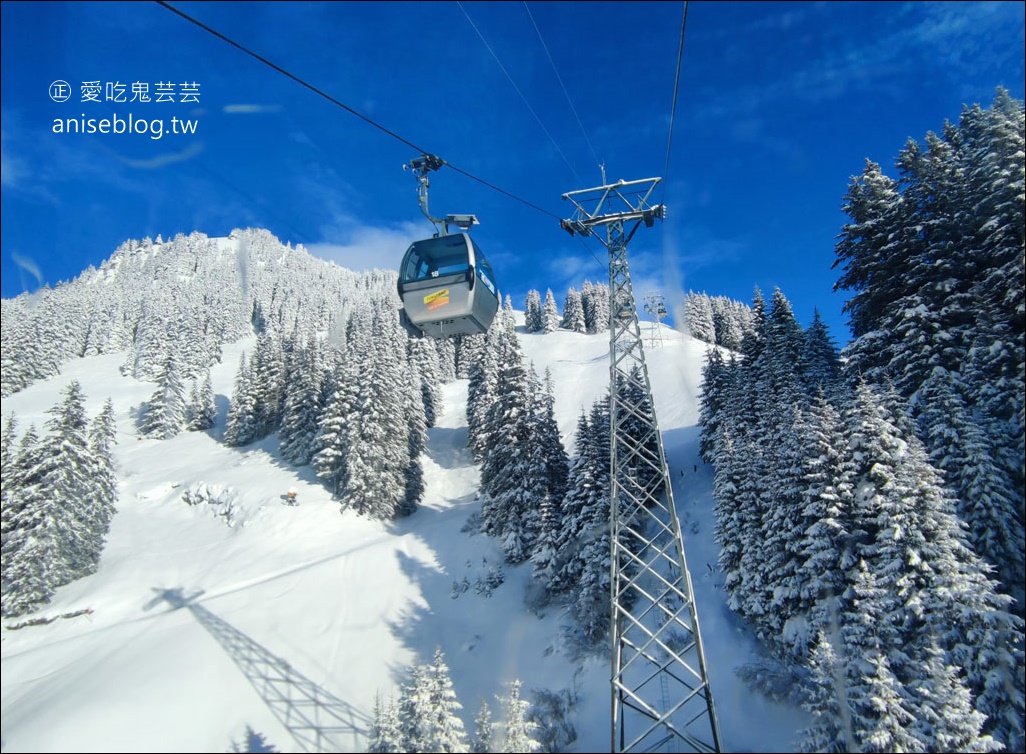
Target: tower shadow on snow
x,y
318,721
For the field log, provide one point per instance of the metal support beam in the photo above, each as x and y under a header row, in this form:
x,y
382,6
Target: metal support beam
x,y
655,306
661,700
421,166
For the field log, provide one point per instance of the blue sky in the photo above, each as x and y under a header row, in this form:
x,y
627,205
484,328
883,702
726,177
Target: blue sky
x,y
779,105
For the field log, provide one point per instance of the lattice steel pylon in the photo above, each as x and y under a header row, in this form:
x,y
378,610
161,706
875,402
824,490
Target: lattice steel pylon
x,y
661,699
655,305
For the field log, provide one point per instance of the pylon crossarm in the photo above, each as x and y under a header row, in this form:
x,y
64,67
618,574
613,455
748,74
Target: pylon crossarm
x,y
599,195
583,220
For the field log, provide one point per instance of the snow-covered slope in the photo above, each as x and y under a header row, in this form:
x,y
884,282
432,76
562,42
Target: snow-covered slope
x,y
293,618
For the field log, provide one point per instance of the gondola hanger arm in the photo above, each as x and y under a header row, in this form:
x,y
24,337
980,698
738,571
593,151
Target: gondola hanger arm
x,y
421,166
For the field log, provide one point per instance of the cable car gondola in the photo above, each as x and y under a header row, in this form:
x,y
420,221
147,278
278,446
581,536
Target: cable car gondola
x,y
446,285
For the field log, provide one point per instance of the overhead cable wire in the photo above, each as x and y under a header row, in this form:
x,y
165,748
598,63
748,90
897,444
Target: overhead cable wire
x,y
517,88
344,106
253,201
592,252
560,79
673,107
574,110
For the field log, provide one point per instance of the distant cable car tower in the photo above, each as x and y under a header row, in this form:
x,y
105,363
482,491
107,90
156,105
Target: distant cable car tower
x,y
661,698
655,306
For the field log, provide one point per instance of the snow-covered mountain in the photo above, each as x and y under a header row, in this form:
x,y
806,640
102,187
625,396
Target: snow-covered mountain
x,y
209,620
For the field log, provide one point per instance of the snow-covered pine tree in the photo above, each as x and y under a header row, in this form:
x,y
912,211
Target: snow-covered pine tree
x,y
590,605
917,558
988,505
164,414
548,453
826,700
513,477
7,449
573,311
544,553
446,350
715,375
587,571
826,545
28,561
57,526
203,409
191,405
424,357
518,730
819,365
867,248
770,591
580,478
588,306
550,314
934,264
378,434
301,407
533,312
416,428
727,325
268,384
102,436
242,421
995,140
427,711
548,441
153,340
482,387
749,469
20,349
385,734
65,476
730,520
448,733
783,532
332,444
595,298
481,743
698,317
882,711
751,344
415,711
468,350
946,717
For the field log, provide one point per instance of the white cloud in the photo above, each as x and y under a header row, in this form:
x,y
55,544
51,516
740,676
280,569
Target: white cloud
x,y
368,248
28,265
164,159
251,109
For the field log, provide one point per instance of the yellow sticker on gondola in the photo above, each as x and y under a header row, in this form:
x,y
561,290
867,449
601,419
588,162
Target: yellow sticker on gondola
x,y
437,300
